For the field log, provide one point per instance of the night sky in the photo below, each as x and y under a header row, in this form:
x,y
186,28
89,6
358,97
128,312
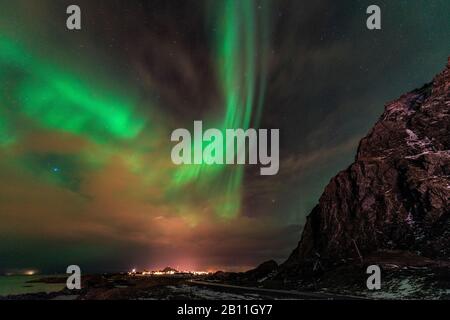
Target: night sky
x,y
86,117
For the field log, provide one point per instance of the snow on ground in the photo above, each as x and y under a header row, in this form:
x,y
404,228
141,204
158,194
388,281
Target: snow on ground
x,y
195,292
408,288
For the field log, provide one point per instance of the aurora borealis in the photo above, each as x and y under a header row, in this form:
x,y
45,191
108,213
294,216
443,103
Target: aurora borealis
x,y
86,116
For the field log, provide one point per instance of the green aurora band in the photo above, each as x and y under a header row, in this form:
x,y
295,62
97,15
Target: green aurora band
x,y
240,44
59,99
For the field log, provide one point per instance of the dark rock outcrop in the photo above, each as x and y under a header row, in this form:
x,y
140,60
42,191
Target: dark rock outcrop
x,y
262,271
253,277
396,195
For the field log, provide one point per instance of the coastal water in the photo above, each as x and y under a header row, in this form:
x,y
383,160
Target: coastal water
x,y
15,285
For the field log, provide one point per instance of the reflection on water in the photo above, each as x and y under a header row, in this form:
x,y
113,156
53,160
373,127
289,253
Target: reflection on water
x,y
14,285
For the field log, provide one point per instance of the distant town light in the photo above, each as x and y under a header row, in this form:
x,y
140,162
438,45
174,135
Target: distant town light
x,y
132,272
167,272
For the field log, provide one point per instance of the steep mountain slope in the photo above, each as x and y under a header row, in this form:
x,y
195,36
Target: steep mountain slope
x,y
396,195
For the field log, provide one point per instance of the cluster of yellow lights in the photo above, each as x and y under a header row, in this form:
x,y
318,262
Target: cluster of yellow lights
x,y
164,273
159,273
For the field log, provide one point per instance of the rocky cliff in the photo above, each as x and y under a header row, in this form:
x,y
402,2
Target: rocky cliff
x,y
396,195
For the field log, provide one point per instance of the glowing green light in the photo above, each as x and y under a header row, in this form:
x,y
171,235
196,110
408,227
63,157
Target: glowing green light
x,y
240,44
61,100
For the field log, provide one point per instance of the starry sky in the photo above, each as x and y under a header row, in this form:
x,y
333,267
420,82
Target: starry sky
x,y
86,117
